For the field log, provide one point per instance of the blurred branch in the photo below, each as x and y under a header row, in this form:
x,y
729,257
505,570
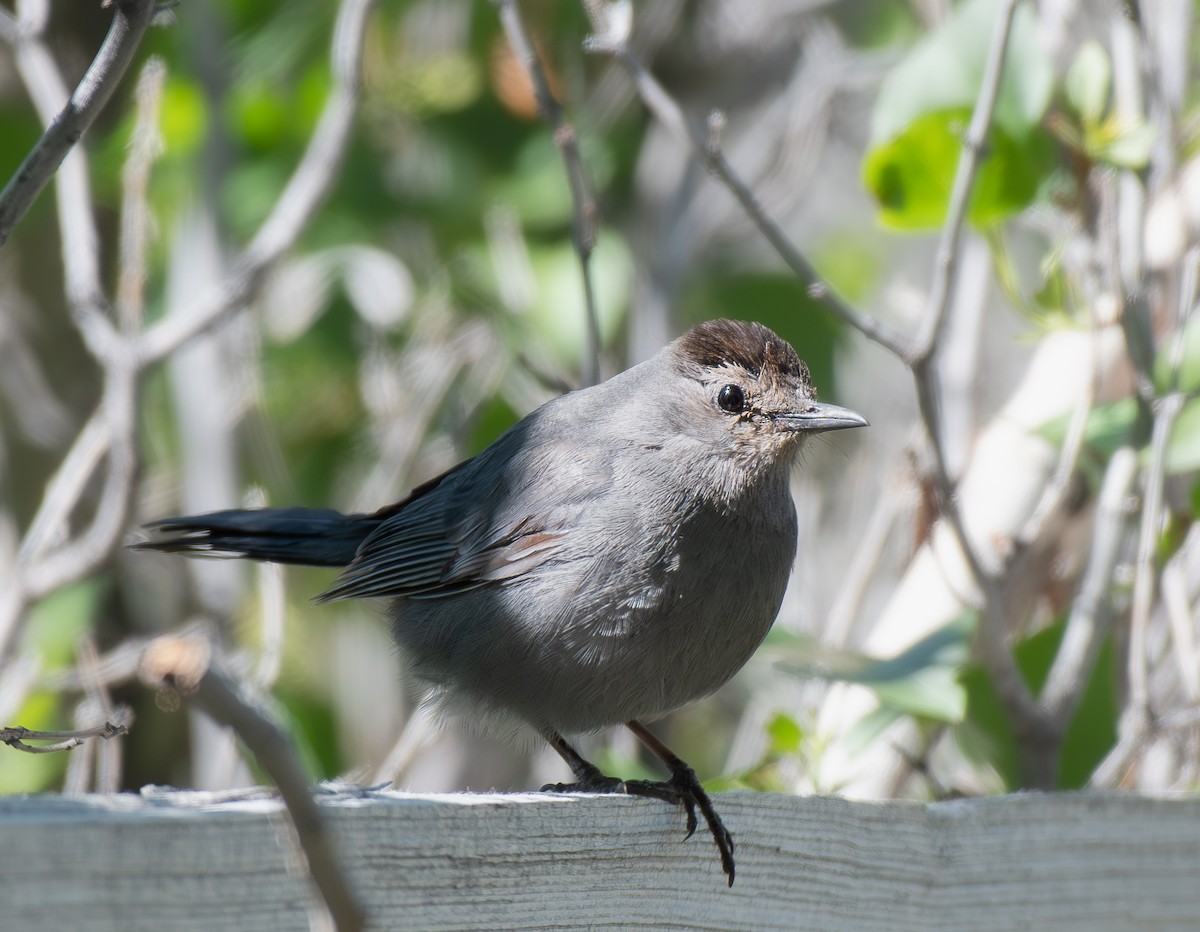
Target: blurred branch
x,y
124,356
1145,573
1138,724
184,665
567,141
611,23
80,244
1019,703
306,190
130,19
111,429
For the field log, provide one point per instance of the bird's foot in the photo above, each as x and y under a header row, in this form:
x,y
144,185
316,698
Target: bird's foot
x,y
682,789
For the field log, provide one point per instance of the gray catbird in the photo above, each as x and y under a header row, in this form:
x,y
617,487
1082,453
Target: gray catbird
x,y
620,552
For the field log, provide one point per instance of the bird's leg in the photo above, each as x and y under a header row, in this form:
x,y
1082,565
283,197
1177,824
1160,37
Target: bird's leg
x,y
683,788
588,777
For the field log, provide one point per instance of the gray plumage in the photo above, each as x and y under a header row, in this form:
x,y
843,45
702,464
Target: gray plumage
x,y
620,552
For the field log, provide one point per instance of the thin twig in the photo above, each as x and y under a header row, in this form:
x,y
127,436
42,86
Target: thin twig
x,y
923,354
610,24
306,190
1089,619
1145,577
567,141
144,149
15,736
184,665
417,735
130,19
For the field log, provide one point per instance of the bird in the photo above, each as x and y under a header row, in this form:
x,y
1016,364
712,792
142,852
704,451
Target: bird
x,y
617,554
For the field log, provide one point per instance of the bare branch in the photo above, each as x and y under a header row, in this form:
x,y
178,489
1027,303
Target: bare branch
x,y
305,191
184,665
130,19
566,138
610,25
80,247
964,181
15,736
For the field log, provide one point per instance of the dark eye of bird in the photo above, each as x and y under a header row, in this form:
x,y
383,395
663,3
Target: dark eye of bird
x,y
732,399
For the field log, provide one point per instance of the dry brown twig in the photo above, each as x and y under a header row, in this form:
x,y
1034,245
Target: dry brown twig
x,y
567,140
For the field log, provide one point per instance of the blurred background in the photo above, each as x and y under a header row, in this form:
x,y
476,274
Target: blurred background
x,y
435,298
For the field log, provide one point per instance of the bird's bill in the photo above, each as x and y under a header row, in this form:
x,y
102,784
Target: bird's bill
x,y
818,416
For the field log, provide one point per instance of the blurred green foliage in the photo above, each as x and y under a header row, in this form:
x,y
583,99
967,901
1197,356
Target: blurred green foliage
x,y
446,140
988,737
923,109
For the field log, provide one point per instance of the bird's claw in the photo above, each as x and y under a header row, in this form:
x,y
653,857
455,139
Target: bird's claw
x,y
682,789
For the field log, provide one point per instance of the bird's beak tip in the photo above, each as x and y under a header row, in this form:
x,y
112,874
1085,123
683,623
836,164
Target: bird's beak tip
x,y
819,416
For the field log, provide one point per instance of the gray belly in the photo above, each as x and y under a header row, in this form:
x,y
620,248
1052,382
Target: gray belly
x,y
589,642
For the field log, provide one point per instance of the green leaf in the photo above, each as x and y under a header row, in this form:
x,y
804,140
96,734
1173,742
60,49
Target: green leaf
x,y
1121,145
1108,427
987,736
260,115
912,175
870,728
183,119
924,107
921,681
57,622
786,735
1089,81
1183,446
944,71
1188,377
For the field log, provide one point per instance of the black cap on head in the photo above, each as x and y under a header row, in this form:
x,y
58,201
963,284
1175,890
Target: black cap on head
x,y
745,344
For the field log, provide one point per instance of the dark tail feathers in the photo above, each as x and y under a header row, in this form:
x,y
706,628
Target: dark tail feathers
x,y
304,536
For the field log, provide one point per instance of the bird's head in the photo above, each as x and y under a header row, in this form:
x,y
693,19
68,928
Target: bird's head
x,y
749,394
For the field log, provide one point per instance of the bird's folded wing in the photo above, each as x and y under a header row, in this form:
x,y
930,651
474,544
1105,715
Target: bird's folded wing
x,y
418,553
